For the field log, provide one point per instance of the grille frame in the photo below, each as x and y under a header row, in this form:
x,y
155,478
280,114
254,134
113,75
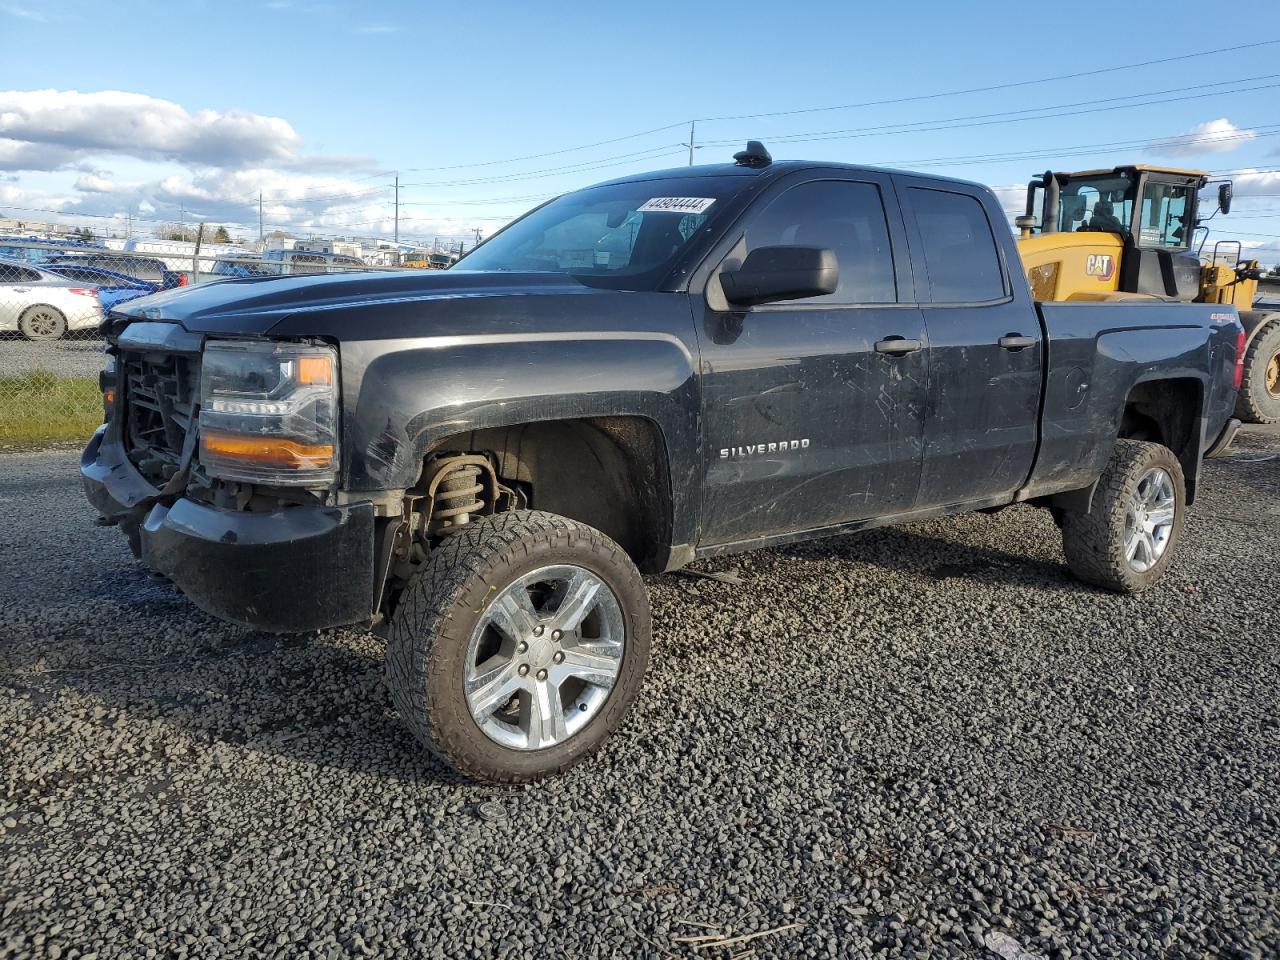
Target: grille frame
x,y
160,393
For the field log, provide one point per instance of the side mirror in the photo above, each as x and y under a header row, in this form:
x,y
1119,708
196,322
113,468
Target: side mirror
x,y
781,273
1225,192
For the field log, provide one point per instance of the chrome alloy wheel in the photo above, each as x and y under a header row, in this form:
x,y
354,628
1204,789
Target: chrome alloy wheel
x,y
544,657
1148,521
42,323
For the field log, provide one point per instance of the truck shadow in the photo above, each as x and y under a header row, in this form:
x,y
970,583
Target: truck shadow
x,y
315,699
914,551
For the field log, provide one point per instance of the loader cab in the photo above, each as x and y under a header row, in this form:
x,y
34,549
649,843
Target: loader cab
x,y
1151,211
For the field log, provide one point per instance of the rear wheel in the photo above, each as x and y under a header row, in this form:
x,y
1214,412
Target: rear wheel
x,y
42,322
519,646
1259,398
1127,538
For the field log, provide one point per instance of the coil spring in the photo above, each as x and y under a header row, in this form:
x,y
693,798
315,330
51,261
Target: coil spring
x,y
456,500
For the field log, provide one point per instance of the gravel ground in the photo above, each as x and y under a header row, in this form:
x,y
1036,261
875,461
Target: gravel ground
x,y
77,356
900,743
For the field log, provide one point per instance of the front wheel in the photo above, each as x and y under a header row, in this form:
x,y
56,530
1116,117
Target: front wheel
x,y
1127,538
519,646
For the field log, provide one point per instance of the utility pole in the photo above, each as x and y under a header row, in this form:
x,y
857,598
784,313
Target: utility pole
x,y
195,257
477,243
260,237
692,126
128,229
397,218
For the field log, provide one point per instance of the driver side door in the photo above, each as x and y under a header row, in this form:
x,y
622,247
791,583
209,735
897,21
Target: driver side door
x,y
813,408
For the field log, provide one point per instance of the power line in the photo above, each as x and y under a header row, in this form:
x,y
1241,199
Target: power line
x,y
1015,116
915,98
999,86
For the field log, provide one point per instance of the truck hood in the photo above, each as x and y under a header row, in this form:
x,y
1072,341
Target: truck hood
x,y
258,306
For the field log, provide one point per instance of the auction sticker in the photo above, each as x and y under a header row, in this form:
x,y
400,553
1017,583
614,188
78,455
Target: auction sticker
x,y
676,205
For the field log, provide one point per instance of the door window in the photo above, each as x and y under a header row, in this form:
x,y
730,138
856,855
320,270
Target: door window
x,y
959,248
12,273
1166,211
843,216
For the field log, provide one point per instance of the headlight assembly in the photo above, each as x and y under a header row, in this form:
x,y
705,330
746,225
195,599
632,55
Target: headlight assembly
x,y
269,412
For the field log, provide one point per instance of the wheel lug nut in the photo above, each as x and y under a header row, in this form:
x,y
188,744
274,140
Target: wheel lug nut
x,y
559,658
524,669
542,674
537,631
523,647
556,634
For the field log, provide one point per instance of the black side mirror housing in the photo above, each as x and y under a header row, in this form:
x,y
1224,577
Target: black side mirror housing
x,y
1225,192
769,274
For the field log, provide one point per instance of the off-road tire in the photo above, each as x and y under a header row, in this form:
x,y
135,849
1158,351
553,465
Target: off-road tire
x,y
57,319
438,610
1255,402
1094,541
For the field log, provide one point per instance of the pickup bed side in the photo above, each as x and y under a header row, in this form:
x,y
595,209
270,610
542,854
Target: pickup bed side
x,y
1145,370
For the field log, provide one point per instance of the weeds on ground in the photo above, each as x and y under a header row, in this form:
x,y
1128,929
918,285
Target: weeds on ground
x,y
42,408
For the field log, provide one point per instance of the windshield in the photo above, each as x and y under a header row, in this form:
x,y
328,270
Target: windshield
x,y
1100,204
625,235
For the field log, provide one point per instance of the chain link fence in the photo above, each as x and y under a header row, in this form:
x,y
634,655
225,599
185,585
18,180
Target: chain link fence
x,y
55,294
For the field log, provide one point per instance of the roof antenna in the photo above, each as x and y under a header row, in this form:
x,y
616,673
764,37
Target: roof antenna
x,y
754,156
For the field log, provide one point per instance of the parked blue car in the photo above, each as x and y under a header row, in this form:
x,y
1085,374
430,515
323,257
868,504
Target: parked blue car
x,y
113,288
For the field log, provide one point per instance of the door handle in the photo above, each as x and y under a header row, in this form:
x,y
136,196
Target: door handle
x,y
897,345
1016,341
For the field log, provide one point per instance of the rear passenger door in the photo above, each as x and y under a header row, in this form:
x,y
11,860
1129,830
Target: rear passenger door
x,y
985,348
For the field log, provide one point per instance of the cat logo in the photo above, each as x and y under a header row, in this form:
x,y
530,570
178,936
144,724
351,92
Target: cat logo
x,y
1100,265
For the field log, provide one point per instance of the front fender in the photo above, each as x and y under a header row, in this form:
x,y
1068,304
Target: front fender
x,y
410,393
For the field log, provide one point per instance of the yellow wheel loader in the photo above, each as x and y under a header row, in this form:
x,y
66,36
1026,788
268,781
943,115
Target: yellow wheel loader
x,y
1130,233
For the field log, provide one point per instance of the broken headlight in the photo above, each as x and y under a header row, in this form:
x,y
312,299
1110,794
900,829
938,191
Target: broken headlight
x,y
269,412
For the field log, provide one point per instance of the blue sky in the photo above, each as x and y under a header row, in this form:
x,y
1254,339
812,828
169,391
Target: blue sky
x,y
319,104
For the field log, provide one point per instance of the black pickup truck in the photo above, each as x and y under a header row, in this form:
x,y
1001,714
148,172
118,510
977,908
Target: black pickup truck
x,y
478,463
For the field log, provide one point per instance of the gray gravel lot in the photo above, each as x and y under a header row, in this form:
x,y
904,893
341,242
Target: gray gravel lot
x,y
898,743
76,356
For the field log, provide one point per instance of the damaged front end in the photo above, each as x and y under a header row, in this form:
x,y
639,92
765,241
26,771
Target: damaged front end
x,y
219,460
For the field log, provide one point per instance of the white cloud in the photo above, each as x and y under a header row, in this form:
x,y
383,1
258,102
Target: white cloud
x,y
49,129
1212,136
23,13
374,28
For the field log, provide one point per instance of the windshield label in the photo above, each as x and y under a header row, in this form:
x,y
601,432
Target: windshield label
x,y
676,205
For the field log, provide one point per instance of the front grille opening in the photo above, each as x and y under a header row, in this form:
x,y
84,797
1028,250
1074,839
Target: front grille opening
x,y
160,394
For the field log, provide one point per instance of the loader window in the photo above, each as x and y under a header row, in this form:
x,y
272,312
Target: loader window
x,y
1166,216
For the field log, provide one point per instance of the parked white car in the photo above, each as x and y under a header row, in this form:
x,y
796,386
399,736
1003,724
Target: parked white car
x,y
42,305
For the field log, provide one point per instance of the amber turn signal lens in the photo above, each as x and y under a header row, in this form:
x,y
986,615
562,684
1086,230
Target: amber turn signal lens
x,y
315,370
109,396
275,451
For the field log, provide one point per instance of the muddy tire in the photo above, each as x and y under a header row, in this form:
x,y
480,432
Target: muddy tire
x,y
1259,398
42,322
519,646
1127,539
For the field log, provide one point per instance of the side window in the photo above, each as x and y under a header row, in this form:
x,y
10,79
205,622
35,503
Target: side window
x,y
959,248
1165,211
843,216
12,273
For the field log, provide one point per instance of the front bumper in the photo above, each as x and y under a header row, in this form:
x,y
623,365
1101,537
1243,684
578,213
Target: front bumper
x,y
295,569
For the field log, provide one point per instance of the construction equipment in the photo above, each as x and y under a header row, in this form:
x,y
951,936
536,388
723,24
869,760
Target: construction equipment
x,y
1130,233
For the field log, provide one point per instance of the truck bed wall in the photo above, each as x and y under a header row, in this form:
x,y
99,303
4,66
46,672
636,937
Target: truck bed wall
x,y
1098,353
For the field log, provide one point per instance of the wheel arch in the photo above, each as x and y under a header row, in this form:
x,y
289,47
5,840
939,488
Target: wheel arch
x,y
1169,412
612,473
